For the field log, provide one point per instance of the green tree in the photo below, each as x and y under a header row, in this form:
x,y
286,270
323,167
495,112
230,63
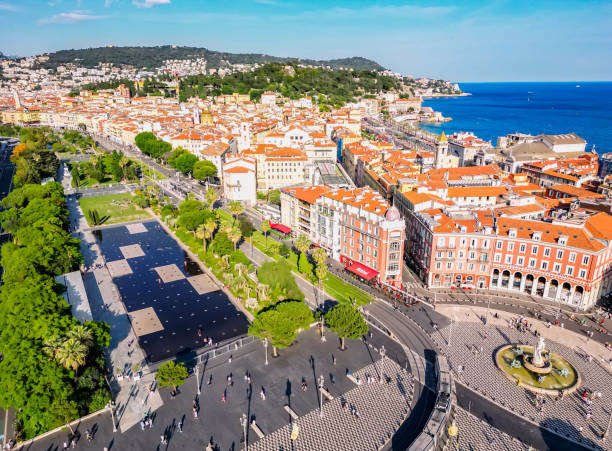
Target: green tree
x,y
221,244
302,244
280,324
321,273
234,235
274,197
203,170
235,208
265,228
319,256
284,250
171,374
186,162
211,195
72,354
346,322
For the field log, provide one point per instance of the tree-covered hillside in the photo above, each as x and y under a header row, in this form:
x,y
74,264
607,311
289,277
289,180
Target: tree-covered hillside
x,y
333,87
151,57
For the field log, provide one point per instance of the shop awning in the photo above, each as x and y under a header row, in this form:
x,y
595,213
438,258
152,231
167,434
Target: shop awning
x,y
362,271
279,227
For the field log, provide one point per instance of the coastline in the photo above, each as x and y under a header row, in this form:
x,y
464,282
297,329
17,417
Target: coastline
x,y
441,96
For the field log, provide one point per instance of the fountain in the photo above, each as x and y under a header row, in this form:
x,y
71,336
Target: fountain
x,y
536,369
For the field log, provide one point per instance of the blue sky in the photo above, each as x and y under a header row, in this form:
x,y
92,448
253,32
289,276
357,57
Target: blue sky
x,y
464,40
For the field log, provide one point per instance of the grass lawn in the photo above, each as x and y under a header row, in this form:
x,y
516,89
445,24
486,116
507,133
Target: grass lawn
x,y
343,291
114,206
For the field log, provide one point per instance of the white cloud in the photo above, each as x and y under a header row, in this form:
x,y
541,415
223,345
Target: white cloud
x,y
8,7
150,3
71,17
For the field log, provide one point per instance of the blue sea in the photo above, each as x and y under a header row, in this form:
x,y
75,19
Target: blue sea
x,y
496,109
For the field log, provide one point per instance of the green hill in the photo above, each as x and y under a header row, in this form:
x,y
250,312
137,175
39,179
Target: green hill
x,y
152,57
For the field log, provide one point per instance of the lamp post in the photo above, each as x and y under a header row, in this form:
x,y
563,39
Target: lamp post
x,y
197,371
243,423
450,332
110,407
321,381
488,305
383,351
265,343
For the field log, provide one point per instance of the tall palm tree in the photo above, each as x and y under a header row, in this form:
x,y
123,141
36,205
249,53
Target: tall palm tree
x,y
211,197
321,273
235,208
211,225
123,162
201,233
52,346
265,228
72,355
234,235
302,244
82,334
319,255
225,227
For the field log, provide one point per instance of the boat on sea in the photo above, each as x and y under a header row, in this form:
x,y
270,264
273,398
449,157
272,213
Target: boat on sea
x,y
577,86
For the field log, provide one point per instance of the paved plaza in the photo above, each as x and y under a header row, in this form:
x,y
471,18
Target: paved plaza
x,y
476,369
381,407
174,306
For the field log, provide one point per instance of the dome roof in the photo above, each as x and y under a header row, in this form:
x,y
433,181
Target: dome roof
x,y
392,214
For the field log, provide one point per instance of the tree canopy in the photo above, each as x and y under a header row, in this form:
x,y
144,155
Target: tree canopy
x,y
346,322
171,374
204,169
281,322
148,143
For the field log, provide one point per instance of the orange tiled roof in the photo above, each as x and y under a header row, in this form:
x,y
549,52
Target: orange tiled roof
x,y
307,194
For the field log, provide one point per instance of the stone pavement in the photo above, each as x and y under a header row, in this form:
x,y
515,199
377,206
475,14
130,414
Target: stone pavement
x,y
565,417
106,306
382,409
475,434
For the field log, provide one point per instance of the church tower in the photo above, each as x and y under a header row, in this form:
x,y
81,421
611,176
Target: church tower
x,y
441,151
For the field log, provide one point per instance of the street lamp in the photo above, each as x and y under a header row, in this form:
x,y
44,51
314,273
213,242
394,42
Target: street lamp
x,y
110,406
321,381
265,343
383,351
197,371
243,423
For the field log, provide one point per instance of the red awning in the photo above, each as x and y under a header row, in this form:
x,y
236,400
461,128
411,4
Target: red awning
x,y
362,271
279,227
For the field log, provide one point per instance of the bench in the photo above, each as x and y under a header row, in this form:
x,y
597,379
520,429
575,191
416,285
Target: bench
x,y
327,394
257,430
291,412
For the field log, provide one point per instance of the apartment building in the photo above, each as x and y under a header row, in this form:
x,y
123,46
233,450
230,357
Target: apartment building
x,y
361,230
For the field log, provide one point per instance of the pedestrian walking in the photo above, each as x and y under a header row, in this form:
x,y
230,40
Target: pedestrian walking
x,y
164,441
195,413
262,394
210,380
223,397
333,360
179,426
142,425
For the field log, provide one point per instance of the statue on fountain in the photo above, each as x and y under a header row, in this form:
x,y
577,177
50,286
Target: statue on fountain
x,y
537,353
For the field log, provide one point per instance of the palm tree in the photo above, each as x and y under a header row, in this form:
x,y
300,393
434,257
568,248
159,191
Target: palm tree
x,y
319,256
52,346
82,334
224,262
302,244
235,208
201,233
225,227
123,162
265,228
72,355
229,279
171,221
234,235
321,273
210,225
211,197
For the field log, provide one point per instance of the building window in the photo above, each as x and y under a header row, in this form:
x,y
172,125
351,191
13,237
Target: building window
x,y
544,266
569,270
520,261
344,250
393,267
572,257
557,267
451,254
585,260
473,243
497,258
500,244
395,246
438,265
532,262
460,265
547,252
441,242
534,250
472,255
522,248
559,255
483,268
351,253
508,259
471,267
461,254
582,274
511,246
449,265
